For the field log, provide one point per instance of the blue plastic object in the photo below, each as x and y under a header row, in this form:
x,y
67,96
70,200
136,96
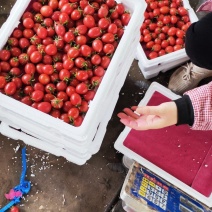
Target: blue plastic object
x,y
23,187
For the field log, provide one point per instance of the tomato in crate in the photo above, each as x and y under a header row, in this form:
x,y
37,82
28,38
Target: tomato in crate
x,y
162,36
102,69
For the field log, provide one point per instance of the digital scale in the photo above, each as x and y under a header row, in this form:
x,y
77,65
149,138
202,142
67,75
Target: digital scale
x,y
142,188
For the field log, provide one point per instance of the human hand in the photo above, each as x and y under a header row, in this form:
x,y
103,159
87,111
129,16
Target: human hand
x,y
149,117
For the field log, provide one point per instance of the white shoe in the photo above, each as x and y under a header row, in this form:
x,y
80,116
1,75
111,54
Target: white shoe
x,y
187,77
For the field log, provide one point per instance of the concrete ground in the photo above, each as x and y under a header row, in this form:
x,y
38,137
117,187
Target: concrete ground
x,y
59,185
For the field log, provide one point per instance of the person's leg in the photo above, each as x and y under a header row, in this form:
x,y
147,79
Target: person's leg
x,y
198,47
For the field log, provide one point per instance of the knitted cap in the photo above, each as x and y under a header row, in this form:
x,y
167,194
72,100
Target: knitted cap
x,y
198,42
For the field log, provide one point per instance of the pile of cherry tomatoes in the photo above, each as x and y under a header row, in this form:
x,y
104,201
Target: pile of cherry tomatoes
x,y
164,27
56,58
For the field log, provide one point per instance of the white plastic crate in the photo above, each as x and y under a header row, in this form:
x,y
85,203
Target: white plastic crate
x,y
60,147
150,72
119,145
83,147
43,145
55,132
151,68
73,153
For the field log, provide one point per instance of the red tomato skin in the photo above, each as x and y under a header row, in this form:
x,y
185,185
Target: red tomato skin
x,y
94,32
35,57
14,209
10,88
55,113
78,121
89,21
44,79
73,113
37,95
75,99
5,54
108,38
44,107
153,55
59,29
51,49
42,32
97,45
3,81
81,88
125,19
105,62
65,118
57,103
46,11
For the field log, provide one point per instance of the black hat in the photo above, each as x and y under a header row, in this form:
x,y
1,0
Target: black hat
x,y
198,42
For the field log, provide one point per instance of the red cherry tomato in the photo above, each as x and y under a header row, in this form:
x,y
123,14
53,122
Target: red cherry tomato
x,y
164,10
83,108
3,81
89,95
42,32
76,14
57,103
36,57
10,88
73,113
88,10
182,11
94,32
97,45
14,209
108,38
5,54
125,18
59,29
37,95
82,88
75,99
78,121
85,50
44,79
153,55
46,11
44,107
51,49
28,23
89,21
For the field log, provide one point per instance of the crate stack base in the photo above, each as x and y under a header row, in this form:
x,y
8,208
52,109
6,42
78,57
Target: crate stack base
x,y
151,68
170,186
76,144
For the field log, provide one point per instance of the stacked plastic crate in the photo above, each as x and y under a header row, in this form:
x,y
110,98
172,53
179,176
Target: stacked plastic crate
x,y
76,144
152,67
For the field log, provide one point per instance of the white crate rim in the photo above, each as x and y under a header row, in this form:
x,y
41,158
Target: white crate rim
x,y
154,66
39,116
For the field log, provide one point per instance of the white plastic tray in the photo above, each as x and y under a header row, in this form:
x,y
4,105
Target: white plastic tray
x,y
51,130
160,172
73,153
151,68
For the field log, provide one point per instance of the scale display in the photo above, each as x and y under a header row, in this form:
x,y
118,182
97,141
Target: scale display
x,y
158,194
